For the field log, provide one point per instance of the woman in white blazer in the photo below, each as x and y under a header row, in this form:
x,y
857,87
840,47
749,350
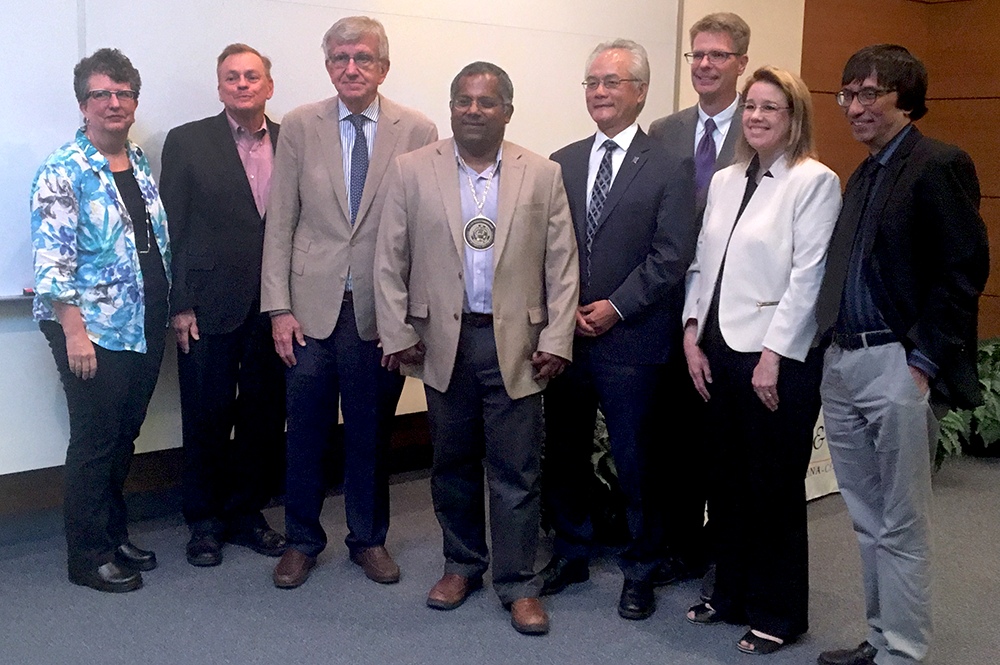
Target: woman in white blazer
x,y
749,321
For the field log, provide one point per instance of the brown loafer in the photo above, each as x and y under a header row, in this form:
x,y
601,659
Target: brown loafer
x,y
528,616
451,591
377,564
293,569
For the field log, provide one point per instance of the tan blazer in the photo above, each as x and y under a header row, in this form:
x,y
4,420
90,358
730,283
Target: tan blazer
x,y
309,243
419,265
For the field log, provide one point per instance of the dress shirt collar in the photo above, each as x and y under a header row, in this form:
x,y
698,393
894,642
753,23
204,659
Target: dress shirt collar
x,y
723,117
885,154
372,112
623,138
472,171
238,130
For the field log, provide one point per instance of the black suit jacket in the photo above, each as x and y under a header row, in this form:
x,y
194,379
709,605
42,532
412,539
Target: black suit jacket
x,y
641,251
216,233
928,261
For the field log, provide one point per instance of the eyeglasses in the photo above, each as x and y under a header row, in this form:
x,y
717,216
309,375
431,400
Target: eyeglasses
x,y
105,95
609,82
865,96
487,103
765,109
362,60
714,57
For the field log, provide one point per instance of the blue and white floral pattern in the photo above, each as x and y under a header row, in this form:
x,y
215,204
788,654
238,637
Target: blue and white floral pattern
x,y
84,244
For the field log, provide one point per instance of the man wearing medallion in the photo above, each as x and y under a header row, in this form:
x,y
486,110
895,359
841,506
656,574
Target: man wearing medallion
x,y
633,211
327,193
476,287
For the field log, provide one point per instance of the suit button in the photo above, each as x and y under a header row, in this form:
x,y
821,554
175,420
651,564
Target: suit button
x,y
460,275
456,317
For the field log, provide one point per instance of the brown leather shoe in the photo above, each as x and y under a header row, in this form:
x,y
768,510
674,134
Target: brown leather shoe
x,y
451,591
377,564
528,616
293,569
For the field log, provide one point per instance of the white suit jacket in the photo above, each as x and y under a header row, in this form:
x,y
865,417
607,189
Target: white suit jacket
x,y
776,257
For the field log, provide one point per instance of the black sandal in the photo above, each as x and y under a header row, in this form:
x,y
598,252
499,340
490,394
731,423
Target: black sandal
x,y
759,646
704,615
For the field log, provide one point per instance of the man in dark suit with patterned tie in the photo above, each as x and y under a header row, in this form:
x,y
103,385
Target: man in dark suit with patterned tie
x,y
705,133
632,203
214,185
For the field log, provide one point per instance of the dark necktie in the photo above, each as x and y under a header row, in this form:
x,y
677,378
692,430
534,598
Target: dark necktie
x,y
704,159
602,183
359,163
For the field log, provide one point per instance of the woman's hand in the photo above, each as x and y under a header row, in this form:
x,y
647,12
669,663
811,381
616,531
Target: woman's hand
x,y
765,379
79,349
701,373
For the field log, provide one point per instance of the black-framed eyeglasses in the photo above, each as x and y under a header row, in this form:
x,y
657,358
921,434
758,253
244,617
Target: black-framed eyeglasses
x,y
748,108
609,82
865,96
105,95
362,60
714,57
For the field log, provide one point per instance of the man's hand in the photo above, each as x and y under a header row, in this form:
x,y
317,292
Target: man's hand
x,y
547,365
697,361
765,378
582,327
185,326
413,355
284,327
921,379
599,317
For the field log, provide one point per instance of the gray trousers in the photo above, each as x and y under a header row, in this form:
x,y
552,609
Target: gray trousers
x,y
474,423
881,429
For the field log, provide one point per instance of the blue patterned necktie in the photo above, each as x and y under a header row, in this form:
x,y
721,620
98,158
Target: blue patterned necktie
x,y
704,159
602,183
359,163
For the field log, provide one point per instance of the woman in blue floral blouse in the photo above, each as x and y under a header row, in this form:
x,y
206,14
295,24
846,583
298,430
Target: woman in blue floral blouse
x,y
102,275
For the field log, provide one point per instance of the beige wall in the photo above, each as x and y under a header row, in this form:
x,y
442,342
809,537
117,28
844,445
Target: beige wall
x,y
775,35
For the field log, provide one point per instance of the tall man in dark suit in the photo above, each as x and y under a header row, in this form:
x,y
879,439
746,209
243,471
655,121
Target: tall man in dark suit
x,y
633,210
214,185
898,308
317,283
718,57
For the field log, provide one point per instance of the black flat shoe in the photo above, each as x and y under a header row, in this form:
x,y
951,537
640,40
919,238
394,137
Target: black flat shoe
x,y
637,601
560,572
204,549
262,540
109,577
757,645
130,556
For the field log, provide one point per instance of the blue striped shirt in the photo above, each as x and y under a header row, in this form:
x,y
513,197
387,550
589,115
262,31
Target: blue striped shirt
x,y
347,138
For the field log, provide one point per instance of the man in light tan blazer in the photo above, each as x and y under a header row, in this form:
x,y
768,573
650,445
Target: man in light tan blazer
x,y
327,192
476,286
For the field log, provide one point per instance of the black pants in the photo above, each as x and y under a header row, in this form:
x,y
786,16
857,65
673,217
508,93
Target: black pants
x,y
105,415
233,380
759,503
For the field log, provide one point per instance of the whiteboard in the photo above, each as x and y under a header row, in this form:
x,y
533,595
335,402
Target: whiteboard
x,y
542,44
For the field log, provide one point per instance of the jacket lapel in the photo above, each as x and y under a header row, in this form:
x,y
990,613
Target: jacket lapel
x,y
386,137
511,177
575,178
328,135
892,171
229,158
635,159
446,175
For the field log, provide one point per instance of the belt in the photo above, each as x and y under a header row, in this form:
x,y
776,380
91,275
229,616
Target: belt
x,y
477,320
853,341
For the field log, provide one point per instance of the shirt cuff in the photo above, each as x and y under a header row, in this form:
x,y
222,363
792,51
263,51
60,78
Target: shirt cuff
x,y
278,312
617,310
916,359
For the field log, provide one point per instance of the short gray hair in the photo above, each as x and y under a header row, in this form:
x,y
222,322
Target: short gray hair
x,y
108,61
640,61
351,30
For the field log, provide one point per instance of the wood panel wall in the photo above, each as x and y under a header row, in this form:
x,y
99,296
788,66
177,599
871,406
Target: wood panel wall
x,y
957,41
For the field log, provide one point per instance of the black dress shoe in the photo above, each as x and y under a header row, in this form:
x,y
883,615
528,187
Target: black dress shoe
x,y
863,654
109,577
637,601
261,539
204,549
674,569
560,572
135,558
